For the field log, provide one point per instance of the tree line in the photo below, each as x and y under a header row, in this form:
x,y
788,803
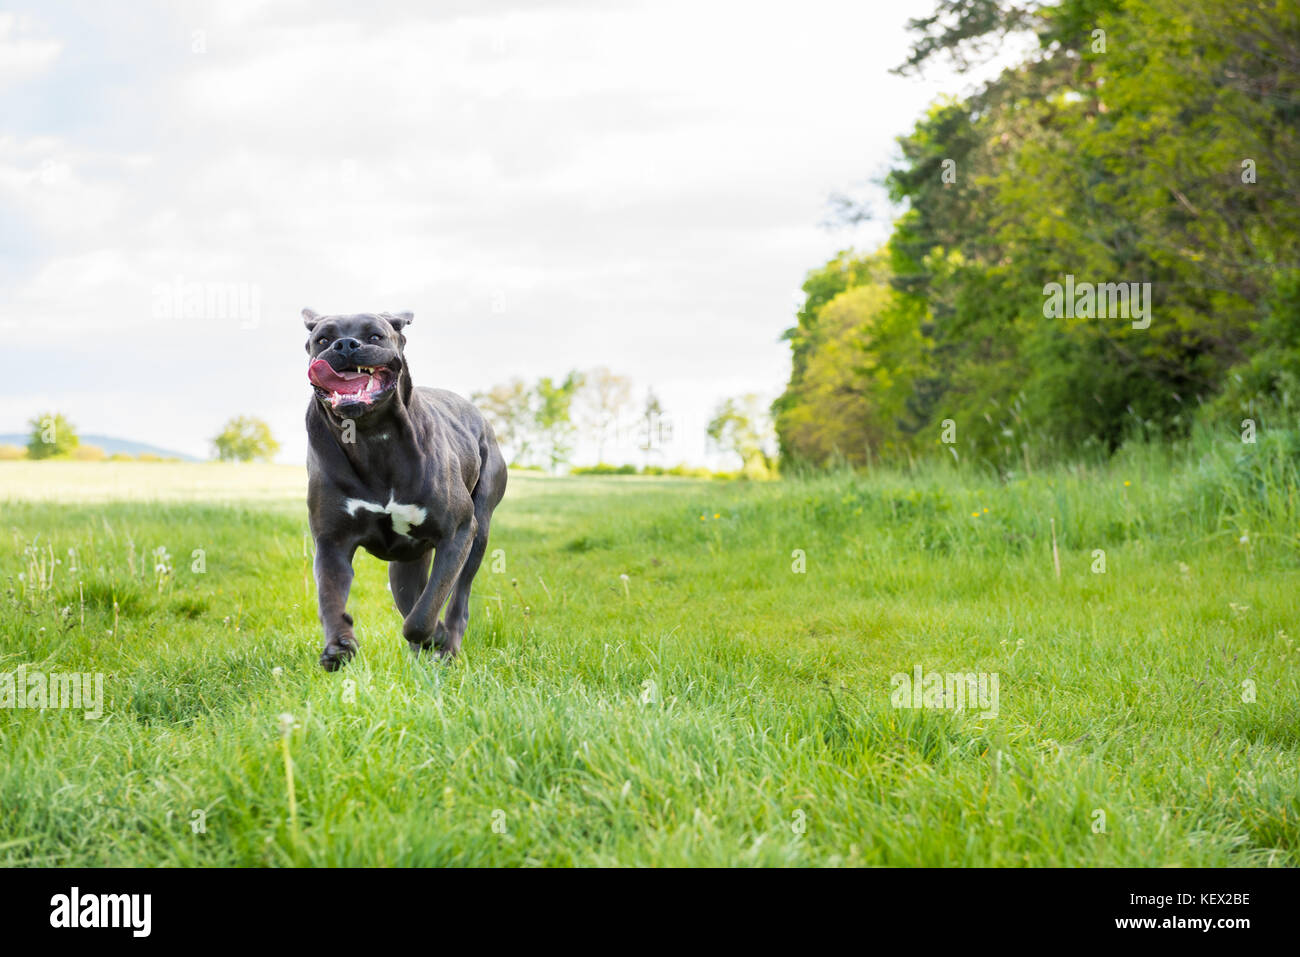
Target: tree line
x,y
539,424
1142,157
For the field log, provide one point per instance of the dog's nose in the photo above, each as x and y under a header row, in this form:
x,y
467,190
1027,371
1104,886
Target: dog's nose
x,y
346,346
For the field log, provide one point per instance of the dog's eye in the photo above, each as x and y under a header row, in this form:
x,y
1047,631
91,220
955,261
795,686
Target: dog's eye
x,y
375,337
322,340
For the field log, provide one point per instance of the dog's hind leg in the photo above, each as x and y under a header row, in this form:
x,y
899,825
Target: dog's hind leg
x,y
487,495
448,634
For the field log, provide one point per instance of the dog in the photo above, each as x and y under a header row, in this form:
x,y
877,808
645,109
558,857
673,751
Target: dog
x,y
410,475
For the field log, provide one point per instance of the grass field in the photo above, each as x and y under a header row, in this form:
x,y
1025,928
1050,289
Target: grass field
x,y
717,706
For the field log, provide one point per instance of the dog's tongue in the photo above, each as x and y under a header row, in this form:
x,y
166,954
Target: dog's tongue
x,y
322,374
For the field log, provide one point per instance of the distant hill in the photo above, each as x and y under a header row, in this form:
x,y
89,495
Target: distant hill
x,y
110,445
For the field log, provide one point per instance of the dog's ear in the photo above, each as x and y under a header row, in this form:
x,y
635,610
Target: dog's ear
x,y
309,319
399,320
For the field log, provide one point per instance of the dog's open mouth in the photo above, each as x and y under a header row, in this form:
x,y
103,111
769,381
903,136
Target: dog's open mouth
x,y
361,384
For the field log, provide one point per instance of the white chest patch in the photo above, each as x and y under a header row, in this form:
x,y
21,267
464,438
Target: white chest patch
x,y
404,517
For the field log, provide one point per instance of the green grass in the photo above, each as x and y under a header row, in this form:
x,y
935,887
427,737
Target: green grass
x,y
714,708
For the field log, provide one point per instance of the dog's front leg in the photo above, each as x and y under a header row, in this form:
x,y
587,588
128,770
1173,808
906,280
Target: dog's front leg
x,y
449,558
333,581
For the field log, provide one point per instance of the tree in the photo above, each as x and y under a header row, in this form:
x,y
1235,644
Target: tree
x,y
535,423
961,29
52,434
1144,144
603,398
554,416
834,408
509,409
245,439
741,426
656,428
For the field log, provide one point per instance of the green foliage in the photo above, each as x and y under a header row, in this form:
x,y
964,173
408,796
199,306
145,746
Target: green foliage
x,y
824,413
1148,144
603,468
1266,387
242,439
678,471
537,426
554,416
52,436
741,426
963,30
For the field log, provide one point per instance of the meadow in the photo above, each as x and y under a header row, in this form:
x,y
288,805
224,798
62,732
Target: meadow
x,y
672,672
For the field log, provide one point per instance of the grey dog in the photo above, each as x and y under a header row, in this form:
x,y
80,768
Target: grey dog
x,y
410,475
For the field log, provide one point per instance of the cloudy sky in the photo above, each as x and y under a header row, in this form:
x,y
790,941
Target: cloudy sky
x,y
548,186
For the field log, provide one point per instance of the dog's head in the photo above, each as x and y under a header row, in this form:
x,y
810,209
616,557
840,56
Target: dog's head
x,y
357,365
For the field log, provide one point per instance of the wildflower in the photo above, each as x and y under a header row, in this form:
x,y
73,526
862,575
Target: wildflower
x,y
1126,483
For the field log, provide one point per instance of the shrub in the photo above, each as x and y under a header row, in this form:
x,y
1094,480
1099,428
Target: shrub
x,y
603,468
87,453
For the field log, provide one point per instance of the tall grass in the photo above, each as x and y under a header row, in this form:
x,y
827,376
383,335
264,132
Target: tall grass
x,y
649,680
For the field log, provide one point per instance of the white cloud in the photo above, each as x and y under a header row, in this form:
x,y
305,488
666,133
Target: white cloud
x,y
22,55
636,185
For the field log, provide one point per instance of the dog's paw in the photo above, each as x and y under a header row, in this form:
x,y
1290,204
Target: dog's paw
x,y
447,644
337,653
423,642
